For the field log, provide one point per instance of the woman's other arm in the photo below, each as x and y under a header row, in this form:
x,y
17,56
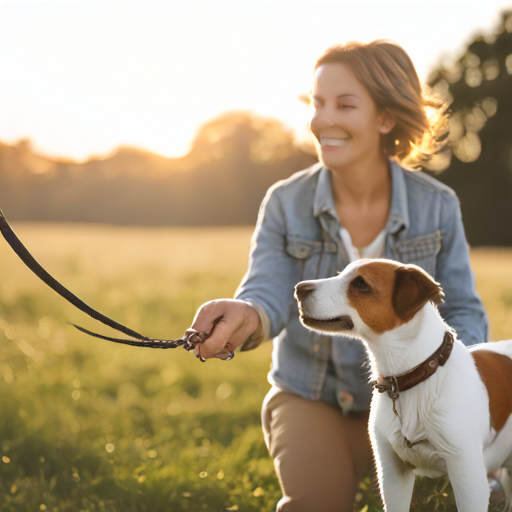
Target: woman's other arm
x,y
463,309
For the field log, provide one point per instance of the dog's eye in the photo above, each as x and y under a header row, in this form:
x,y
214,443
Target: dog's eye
x,y
360,285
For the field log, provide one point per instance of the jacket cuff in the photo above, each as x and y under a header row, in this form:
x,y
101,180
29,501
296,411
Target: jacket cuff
x,y
261,334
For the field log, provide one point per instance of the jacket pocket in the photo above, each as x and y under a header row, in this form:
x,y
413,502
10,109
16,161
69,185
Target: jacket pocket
x,y
421,250
314,255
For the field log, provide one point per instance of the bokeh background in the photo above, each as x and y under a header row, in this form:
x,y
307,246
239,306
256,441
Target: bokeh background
x,y
137,139
106,104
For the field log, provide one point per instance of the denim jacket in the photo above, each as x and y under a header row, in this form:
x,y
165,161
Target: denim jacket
x,y
297,238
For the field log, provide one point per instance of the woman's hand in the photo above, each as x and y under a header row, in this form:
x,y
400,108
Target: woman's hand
x,y
232,321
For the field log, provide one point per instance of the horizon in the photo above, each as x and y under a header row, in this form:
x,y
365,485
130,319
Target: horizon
x,y
84,78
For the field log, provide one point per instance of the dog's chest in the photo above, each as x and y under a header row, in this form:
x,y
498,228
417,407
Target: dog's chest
x,y
409,440
422,455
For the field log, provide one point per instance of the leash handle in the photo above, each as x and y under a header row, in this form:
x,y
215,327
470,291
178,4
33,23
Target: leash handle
x,y
189,341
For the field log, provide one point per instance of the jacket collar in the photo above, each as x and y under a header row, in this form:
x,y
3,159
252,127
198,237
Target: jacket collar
x,y
324,200
398,214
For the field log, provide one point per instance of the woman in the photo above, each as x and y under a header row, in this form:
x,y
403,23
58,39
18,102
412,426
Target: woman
x,y
368,119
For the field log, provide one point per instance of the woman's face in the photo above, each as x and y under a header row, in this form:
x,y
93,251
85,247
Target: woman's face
x,y
344,118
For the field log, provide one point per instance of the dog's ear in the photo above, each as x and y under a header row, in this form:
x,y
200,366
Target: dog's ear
x,y
413,289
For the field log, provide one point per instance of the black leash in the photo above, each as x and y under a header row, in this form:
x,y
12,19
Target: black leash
x,y
189,341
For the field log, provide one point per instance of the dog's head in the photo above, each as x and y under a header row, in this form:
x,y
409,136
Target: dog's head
x,y
377,294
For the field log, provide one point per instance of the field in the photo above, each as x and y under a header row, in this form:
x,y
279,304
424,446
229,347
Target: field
x,y
86,425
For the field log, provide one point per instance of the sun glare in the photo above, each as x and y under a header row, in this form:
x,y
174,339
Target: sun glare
x,y
81,78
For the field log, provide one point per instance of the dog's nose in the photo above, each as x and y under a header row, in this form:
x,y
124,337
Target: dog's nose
x,y
302,290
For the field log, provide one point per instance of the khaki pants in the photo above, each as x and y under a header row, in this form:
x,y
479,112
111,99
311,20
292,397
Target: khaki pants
x,y
319,455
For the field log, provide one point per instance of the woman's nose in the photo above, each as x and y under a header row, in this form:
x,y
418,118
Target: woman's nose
x,y
320,118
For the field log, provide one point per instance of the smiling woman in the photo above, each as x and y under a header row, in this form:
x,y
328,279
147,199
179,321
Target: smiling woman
x,y
344,120
367,105
398,106
368,117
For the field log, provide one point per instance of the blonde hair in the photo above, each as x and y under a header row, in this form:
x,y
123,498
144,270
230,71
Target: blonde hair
x,y
388,73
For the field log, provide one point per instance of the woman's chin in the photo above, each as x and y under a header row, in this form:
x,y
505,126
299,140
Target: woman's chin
x,y
334,159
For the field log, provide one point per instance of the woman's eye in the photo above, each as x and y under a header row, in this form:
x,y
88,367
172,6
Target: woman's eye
x,y
345,107
361,285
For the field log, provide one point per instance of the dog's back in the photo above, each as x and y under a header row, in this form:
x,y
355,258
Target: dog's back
x,y
501,347
494,364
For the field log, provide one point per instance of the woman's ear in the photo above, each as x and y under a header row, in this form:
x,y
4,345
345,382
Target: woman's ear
x,y
386,122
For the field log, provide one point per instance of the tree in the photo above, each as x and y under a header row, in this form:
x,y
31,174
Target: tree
x,y
478,160
233,161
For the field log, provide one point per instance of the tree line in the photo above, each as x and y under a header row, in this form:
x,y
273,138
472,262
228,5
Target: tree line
x,y
236,157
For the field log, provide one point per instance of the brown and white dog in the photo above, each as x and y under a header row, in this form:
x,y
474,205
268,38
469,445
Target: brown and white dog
x,y
438,408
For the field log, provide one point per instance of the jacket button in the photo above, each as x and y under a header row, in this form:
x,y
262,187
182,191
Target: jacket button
x,y
345,400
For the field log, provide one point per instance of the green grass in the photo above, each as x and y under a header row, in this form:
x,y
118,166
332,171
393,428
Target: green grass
x,y
86,425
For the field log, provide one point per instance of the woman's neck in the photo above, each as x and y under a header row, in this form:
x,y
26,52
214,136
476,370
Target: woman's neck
x,y
362,184
362,197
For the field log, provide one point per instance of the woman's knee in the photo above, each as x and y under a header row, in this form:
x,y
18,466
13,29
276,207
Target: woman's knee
x,y
312,455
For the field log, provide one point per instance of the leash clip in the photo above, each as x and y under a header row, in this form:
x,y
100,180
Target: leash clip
x,y
392,388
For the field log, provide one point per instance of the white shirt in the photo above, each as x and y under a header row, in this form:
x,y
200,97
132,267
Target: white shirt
x,y
373,250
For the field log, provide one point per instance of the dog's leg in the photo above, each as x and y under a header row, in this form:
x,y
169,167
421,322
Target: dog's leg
x,y
396,478
506,480
468,477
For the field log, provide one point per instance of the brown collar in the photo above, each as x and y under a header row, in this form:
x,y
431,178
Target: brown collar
x,y
395,384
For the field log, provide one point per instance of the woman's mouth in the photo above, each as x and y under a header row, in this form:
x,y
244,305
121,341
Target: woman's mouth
x,y
333,141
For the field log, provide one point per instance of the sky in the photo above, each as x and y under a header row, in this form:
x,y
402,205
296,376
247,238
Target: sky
x,y
80,78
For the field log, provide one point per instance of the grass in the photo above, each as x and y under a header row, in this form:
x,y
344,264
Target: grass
x,y
86,425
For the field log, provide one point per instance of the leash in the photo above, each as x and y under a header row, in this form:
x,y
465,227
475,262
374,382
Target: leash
x,y
189,341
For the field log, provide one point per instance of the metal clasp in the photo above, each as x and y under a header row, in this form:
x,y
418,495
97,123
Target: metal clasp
x,y
393,388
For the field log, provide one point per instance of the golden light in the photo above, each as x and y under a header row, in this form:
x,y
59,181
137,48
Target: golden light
x,y
82,77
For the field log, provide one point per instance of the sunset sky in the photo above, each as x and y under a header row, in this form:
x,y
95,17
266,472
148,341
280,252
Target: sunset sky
x,y
82,77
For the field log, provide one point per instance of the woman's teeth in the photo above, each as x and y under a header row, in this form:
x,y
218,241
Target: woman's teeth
x,y
330,141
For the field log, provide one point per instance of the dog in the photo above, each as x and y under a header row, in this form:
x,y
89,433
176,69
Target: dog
x,y
438,407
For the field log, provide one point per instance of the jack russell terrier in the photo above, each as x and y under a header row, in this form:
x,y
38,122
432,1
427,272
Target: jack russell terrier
x,y
438,407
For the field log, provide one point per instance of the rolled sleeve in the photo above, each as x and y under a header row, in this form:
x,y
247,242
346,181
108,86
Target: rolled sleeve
x,y
463,309
255,339
272,273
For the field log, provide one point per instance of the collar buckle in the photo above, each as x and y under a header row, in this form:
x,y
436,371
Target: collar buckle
x,y
393,385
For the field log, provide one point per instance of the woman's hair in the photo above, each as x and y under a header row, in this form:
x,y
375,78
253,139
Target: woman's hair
x,y
388,73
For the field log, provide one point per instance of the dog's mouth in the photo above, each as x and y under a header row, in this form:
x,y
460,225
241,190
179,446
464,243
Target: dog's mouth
x,y
337,324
